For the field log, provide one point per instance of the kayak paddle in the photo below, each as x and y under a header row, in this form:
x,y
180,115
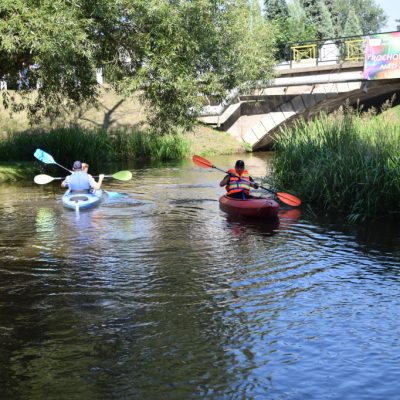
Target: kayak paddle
x,y
42,179
120,175
286,198
46,158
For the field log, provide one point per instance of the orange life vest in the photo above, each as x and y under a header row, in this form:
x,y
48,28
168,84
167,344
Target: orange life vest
x,y
236,183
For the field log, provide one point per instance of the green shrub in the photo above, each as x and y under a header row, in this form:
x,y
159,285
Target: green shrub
x,y
342,162
68,144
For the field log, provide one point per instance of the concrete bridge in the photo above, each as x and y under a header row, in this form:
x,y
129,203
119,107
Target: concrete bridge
x,y
304,87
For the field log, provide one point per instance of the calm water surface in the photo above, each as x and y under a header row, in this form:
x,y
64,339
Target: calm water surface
x,y
160,295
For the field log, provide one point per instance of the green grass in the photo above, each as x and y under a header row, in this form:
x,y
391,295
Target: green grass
x,y
343,162
16,172
122,118
125,145
68,144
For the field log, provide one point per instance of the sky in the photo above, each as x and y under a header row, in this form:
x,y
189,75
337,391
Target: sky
x,y
392,10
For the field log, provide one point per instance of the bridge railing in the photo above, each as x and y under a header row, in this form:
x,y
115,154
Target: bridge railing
x,y
326,51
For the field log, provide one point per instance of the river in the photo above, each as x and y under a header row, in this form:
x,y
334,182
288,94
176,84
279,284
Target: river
x,y
161,295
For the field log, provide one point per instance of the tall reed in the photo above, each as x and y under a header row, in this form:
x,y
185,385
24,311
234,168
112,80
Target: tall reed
x,y
342,162
68,144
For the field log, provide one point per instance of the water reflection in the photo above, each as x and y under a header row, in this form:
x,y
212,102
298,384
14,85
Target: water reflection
x,y
163,295
241,227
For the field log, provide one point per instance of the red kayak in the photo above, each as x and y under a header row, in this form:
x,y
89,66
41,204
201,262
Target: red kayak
x,y
253,207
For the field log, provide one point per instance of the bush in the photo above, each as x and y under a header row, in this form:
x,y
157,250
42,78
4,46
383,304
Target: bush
x,y
343,162
68,144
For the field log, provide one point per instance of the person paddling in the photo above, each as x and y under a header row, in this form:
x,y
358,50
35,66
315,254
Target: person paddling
x,y
80,180
85,168
238,182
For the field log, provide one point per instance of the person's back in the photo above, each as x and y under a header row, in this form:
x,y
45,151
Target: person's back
x,y
79,180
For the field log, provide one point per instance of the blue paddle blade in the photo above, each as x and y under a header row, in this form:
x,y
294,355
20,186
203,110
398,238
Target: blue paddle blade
x,y
115,195
44,157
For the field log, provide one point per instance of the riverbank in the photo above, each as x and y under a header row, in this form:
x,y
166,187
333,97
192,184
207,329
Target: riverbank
x,y
115,113
343,163
12,172
114,130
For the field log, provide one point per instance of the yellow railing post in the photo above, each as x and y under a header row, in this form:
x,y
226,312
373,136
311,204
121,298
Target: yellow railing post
x,y
347,49
305,52
354,50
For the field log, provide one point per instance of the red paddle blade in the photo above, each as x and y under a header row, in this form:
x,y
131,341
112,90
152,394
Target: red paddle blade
x,y
201,162
288,199
293,213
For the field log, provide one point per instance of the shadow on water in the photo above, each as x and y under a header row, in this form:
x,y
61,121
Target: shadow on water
x,y
242,226
164,296
382,234
268,227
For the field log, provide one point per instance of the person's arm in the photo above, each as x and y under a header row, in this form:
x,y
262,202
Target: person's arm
x,y
96,185
253,184
225,181
65,182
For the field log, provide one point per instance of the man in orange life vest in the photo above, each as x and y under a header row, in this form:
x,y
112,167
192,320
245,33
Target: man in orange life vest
x,y
238,182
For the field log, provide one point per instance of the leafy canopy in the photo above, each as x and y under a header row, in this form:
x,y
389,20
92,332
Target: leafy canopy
x,y
173,52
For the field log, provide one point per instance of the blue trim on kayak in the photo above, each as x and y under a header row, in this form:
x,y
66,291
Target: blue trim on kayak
x,y
81,201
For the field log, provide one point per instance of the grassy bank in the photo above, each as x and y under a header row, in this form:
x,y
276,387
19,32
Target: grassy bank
x,y
11,172
343,162
97,146
67,144
115,130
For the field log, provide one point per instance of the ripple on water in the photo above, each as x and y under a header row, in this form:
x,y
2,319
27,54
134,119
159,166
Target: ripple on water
x,y
162,295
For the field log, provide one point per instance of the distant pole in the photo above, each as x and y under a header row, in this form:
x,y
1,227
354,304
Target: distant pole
x,y
251,15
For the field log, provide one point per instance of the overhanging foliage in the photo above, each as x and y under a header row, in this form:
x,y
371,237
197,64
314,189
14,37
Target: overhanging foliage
x,y
174,52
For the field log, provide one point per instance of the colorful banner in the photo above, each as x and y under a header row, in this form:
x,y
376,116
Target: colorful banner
x,y
382,56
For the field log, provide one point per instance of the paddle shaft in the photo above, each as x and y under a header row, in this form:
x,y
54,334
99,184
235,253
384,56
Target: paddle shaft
x,y
63,168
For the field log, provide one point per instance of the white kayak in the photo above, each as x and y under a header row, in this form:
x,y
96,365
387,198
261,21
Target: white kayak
x,y
77,200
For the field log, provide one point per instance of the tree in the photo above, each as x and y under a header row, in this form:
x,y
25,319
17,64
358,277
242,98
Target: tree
x,y
299,27
352,26
171,51
293,29
200,48
334,12
275,9
311,9
372,17
51,35
250,55
324,24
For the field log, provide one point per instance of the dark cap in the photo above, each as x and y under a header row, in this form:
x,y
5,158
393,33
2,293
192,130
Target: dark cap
x,y
77,165
239,164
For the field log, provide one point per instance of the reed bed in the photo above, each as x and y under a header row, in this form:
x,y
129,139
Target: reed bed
x,y
68,144
342,162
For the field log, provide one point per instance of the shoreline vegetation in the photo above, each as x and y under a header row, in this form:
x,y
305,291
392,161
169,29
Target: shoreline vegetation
x,y
346,163
99,145
113,131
